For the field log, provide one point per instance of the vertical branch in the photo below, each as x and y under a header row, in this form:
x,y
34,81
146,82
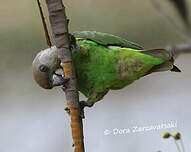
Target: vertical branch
x,y
59,25
44,25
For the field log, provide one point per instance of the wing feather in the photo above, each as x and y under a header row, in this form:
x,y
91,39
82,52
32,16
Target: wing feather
x,y
106,39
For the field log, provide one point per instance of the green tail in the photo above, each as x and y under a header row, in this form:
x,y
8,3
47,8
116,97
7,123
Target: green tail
x,y
166,56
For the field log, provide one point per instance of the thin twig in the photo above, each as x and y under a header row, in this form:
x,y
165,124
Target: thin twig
x,y
178,148
184,34
182,145
178,49
59,25
44,25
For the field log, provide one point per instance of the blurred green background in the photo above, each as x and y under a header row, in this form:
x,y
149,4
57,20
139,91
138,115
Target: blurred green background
x,y
33,119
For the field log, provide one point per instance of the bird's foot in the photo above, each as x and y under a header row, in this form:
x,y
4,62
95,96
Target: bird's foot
x,y
72,40
87,103
84,104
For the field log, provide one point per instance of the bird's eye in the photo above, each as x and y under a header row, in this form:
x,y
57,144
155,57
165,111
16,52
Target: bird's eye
x,y
43,68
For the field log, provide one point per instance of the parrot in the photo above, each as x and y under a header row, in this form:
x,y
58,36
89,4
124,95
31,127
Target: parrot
x,y
102,62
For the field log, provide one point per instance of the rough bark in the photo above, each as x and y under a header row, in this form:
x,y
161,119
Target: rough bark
x,y
59,25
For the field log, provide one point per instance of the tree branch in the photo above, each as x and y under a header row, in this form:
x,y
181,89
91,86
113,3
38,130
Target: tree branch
x,y
178,49
184,34
48,41
59,25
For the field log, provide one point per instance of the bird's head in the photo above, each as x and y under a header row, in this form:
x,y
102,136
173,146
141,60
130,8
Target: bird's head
x,y
44,66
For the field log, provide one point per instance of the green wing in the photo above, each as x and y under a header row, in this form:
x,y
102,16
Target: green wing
x,y
106,39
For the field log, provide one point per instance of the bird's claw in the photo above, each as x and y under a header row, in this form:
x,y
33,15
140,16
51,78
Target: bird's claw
x,y
84,104
72,40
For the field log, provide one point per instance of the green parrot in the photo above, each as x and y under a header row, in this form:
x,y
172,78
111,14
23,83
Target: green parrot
x,y
102,62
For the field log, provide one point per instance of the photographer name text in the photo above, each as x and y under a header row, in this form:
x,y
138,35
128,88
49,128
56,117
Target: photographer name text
x,y
138,129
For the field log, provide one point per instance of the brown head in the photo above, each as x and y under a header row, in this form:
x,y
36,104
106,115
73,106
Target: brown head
x,y
44,65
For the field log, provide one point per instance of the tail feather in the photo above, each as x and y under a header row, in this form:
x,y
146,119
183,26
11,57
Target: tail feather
x,y
159,53
166,56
